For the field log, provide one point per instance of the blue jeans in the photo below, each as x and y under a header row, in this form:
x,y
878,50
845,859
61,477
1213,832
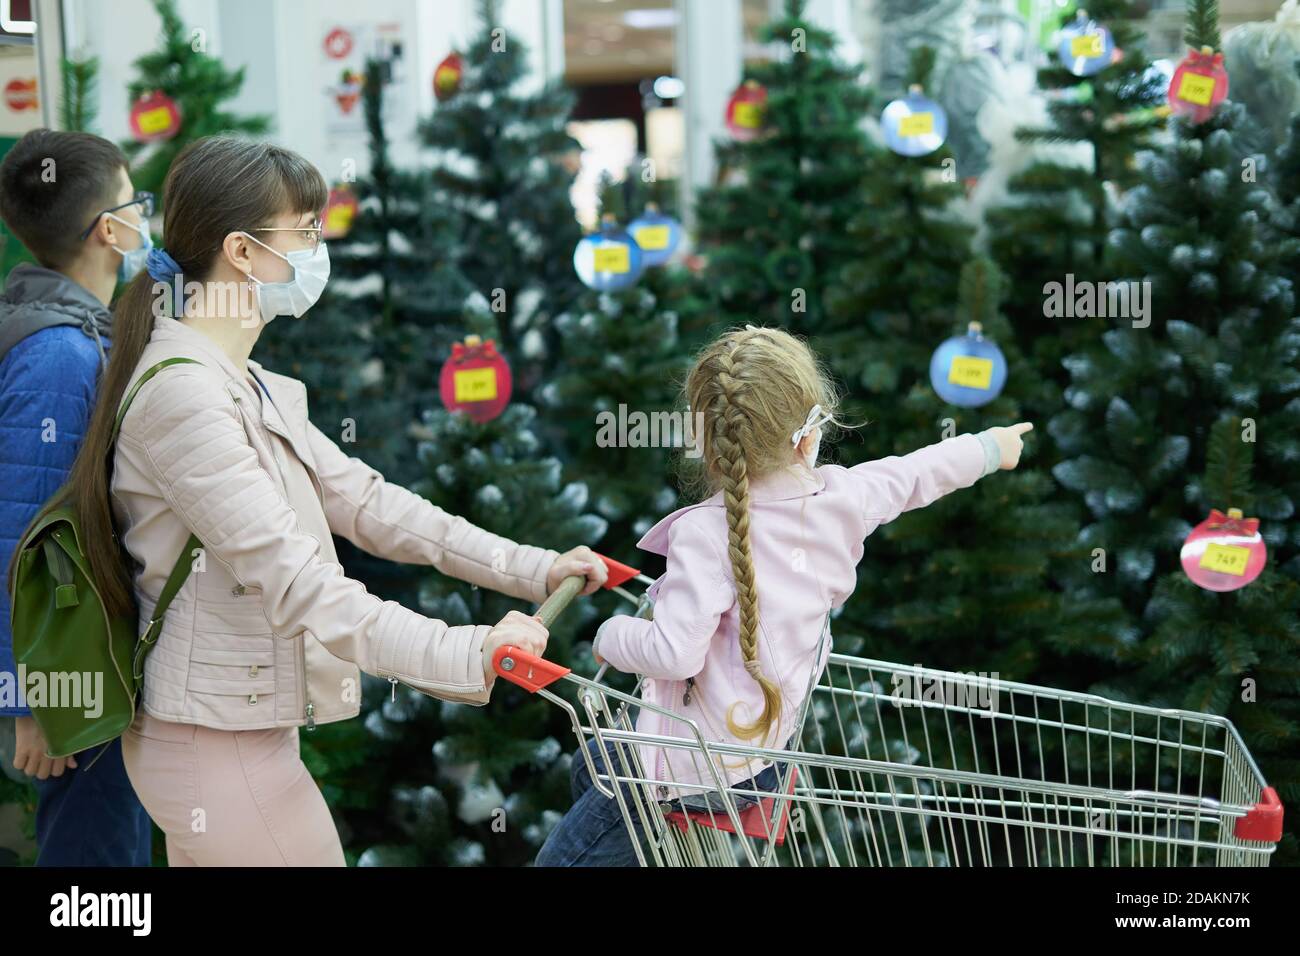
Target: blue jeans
x,y
592,833
91,816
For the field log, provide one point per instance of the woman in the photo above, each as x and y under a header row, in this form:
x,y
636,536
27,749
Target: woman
x,y
267,633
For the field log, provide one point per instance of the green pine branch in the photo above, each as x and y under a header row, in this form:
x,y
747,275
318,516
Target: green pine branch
x,y
1202,24
80,85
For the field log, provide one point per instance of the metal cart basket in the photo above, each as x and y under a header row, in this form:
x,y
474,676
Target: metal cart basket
x,y
903,765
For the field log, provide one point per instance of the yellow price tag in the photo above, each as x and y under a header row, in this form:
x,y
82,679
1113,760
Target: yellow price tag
x,y
155,121
1196,89
446,78
918,124
475,384
1088,46
652,237
971,372
748,115
614,257
338,219
1226,558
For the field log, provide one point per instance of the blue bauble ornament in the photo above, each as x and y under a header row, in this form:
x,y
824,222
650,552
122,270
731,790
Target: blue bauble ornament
x,y
657,235
608,260
968,370
1085,46
914,125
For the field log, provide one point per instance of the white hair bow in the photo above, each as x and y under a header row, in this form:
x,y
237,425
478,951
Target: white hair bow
x,y
811,422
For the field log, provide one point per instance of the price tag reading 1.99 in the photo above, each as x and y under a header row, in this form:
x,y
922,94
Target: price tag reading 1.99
x,y
1225,558
1196,89
971,372
475,385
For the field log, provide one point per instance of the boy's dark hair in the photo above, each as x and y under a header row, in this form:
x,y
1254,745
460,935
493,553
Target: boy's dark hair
x,y
52,184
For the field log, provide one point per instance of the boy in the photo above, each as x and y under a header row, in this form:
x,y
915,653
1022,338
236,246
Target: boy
x,y
68,198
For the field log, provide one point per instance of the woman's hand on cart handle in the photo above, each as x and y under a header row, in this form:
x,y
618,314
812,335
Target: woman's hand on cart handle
x,y
515,629
580,561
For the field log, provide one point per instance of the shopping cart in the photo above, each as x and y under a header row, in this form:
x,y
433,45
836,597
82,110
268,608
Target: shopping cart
x,y
903,765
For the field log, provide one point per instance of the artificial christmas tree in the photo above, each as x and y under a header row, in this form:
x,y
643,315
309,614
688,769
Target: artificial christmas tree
x,y
774,231
962,583
908,244
1060,214
1199,410
620,355
197,83
469,784
500,176
370,350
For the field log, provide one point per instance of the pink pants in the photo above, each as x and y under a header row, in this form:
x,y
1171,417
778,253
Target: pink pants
x,y
229,797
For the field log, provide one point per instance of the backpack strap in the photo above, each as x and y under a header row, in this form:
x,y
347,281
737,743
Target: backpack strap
x,y
130,396
181,570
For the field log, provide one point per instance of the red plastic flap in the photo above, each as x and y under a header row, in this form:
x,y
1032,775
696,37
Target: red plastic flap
x,y
1264,823
530,672
753,820
618,573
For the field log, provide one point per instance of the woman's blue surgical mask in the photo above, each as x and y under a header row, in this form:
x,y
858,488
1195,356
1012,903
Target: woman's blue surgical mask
x,y
133,259
311,270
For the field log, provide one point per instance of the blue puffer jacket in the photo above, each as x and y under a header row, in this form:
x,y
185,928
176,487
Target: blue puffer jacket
x,y
47,391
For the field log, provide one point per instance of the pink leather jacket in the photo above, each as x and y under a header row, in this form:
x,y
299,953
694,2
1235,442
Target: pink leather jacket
x,y
268,631
807,531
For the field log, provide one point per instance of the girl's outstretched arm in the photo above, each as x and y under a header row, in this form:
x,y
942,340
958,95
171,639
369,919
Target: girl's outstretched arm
x,y
899,483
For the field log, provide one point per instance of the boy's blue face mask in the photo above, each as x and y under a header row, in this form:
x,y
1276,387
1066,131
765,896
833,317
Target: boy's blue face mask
x,y
133,260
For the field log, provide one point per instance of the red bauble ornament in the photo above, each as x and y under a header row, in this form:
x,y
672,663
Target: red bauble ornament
x,y
475,380
746,111
447,77
340,210
1199,85
154,117
1224,552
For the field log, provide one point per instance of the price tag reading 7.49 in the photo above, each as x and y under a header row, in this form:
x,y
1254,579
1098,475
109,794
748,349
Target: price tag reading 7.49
x,y
1225,558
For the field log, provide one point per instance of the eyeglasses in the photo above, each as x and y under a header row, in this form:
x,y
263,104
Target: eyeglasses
x,y
313,232
144,198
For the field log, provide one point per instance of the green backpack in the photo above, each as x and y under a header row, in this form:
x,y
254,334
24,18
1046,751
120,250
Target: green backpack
x,y
83,667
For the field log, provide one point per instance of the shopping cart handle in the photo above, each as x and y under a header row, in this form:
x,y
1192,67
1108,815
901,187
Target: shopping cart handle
x,y
560,598
618,573
529,671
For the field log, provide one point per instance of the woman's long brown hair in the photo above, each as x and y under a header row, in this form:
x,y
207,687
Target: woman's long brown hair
x,y
216,186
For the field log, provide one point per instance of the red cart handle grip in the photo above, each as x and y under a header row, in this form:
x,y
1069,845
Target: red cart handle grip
x,y
1264,822
529,671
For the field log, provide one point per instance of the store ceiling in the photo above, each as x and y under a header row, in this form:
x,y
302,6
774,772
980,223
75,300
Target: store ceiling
x,y
611,41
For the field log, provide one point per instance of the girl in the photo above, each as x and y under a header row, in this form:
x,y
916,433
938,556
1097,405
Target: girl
x,y
267,633
752,575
